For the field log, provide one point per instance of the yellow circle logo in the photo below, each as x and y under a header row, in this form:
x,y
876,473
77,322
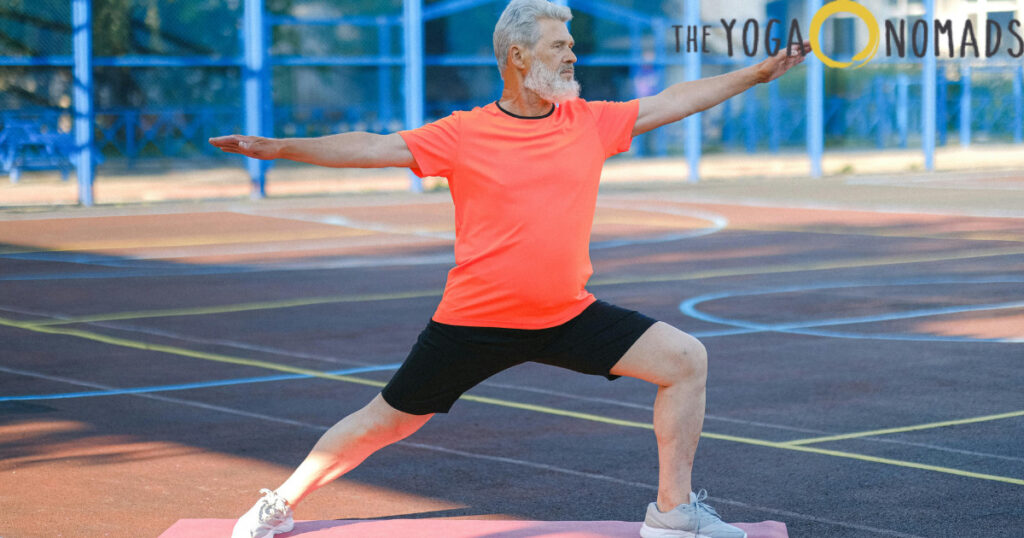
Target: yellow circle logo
x,y
845,6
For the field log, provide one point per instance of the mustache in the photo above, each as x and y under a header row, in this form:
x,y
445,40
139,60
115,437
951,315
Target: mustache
x,y
550,82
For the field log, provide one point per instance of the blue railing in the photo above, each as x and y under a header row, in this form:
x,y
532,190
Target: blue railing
x,y
892,110
887,115
29,142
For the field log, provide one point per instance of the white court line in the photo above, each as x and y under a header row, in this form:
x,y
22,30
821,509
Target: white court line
x,y
928,182
767,425
461,453
650,408
718,222
414,235
352,362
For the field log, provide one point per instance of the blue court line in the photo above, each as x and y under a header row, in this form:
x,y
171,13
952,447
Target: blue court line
x,y
689,307
189,386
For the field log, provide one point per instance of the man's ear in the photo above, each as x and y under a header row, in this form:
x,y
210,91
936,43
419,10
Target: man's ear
x,y
517,56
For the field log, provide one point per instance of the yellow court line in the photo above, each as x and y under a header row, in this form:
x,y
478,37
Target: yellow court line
x,y
872,433
134,344
184,352
902,463
197,241
748,440
242,307
697,275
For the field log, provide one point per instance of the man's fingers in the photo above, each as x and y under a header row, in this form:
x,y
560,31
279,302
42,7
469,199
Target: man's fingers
x,y
798,50
232,143
231,140
224,140
250,146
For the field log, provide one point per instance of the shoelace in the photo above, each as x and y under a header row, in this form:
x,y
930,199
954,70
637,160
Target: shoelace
x,y
701,495
699,505
273,507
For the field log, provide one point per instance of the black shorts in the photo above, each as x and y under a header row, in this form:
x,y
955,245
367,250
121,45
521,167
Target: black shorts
x,y
448,360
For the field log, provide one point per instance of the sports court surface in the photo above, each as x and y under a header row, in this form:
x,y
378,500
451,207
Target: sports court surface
x,y
866,339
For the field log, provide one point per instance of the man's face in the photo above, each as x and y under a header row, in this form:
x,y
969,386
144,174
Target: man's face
x,y
551,73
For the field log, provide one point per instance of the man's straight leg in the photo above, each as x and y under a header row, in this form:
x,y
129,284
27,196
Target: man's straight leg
x,y
346,444
339,450
677,363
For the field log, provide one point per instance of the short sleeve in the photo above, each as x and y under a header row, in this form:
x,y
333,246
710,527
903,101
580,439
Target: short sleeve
x,y
615,122
434,146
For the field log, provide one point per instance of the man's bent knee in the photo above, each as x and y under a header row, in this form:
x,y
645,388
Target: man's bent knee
x,y
665,355
693,357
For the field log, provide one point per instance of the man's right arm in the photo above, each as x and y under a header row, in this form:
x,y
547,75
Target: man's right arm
x,y
346,150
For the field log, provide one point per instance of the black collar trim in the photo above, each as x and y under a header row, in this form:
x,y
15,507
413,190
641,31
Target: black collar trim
x,y
517,116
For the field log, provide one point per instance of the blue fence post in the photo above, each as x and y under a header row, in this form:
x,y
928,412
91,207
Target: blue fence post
x,y
386,113
81,22
773,107
928,80
941,114
750,134
691,19
658,29
636,60
815,102
965,105
774,116
255,88
903,107
412,29
1018,106
881,111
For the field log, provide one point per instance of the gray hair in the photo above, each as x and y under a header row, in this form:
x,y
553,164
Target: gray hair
x,y
518,25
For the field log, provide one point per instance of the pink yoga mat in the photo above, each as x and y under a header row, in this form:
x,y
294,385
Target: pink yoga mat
x,y
450,528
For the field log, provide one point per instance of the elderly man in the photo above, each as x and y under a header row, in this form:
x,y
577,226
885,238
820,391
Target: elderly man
x,y
524,174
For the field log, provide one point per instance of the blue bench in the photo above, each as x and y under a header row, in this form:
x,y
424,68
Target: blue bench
x,y
30,145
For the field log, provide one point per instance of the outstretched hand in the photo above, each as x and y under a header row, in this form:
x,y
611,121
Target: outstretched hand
x,y
774,67
256,147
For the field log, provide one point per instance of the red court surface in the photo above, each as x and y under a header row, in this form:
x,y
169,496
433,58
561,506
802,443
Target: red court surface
x,y
161,363
432,528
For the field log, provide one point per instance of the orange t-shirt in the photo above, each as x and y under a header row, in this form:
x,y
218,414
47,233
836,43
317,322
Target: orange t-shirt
x,y
524,190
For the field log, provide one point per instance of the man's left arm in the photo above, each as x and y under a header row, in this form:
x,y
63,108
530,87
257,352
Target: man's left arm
x,y
680,100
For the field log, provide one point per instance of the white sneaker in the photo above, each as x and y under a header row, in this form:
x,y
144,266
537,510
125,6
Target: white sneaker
x,y
269,516
694,520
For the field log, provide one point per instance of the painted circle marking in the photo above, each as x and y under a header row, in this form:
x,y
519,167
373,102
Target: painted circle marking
x,y
813,327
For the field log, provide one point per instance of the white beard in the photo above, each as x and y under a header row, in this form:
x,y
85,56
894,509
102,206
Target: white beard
x,y
549,85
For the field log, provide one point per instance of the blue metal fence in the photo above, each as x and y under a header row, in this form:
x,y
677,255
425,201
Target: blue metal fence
x,y
892,105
